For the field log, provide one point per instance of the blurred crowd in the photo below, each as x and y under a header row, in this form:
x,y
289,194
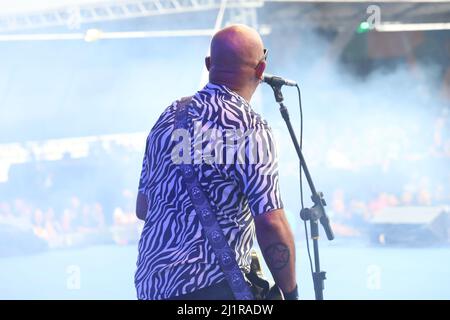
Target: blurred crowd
x,y
365,168
73,202
73,224
352,216
76,202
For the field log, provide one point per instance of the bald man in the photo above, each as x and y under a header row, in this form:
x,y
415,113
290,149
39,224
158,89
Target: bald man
x,y
176,260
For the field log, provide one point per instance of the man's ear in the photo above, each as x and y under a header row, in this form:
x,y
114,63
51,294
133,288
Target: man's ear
x,y
259,70
208,63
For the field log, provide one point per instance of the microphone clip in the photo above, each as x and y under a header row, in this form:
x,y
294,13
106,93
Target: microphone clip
x,y
277,92
276,83
317,213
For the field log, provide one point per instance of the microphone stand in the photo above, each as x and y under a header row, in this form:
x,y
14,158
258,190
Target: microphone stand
x,y
317,212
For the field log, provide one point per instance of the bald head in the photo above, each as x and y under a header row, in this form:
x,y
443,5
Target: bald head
x,y
236,57
235,47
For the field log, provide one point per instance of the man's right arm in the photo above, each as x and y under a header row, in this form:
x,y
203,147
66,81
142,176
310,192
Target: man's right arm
x,y
259,183
276,241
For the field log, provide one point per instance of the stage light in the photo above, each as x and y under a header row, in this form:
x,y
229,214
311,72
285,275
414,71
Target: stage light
x,y
93,35
363,27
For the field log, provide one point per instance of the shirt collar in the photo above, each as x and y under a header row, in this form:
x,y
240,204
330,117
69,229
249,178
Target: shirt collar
x,y
224,89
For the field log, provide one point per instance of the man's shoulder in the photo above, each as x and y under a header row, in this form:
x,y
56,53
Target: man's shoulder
x,y
173,106
257,121
249,119
183,100
231,112
165,120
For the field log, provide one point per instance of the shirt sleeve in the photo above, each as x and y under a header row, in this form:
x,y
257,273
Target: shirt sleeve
x,y
256,171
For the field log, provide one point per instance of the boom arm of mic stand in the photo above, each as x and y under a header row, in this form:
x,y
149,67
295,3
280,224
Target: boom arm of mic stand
x,y
317,212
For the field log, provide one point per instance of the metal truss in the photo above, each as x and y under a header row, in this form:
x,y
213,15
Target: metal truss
x,y
73,17
243,15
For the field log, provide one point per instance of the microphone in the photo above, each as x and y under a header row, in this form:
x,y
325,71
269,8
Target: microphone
x,y
275,81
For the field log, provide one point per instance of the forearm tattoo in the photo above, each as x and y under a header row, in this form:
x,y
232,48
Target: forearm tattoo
x,y
277,255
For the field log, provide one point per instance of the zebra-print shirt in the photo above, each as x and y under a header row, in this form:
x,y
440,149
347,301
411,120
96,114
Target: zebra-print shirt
x,y
174,256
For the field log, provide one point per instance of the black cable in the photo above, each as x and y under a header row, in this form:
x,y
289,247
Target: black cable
x,y
301,182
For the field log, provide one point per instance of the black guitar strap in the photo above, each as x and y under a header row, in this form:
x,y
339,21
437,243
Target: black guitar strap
x,y
205,213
